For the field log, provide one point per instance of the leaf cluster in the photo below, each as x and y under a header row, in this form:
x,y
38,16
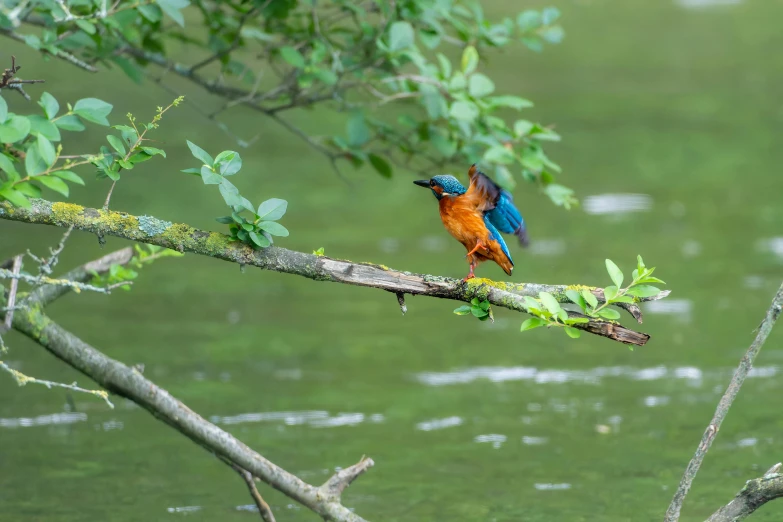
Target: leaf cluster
x,y
248,224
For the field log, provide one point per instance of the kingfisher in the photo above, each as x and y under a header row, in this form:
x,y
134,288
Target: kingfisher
x,y
476,216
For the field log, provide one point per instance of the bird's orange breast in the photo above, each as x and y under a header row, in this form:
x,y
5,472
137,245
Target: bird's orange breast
x,y
465,222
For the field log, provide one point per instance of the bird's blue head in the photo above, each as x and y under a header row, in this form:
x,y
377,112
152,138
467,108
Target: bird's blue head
x,y
443,185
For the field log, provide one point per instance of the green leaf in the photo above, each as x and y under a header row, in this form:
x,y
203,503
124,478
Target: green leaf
x,y
44,127
15,129
651,280
195,170
225,219
380,165
152,151
259,239
470,59
113,172
499,154
533,322
513,102
484,305
15,197
478,312
609,313
70,123
401,36
53,183
591,299
643,291
358,131
116,144
480,85
293,57
8,167
274,228
576,298
531,303
173,8
464,111
67,175
209,177
573,332
94,110
28,189
230,193
86,26
615,273
49,105
610,292
640,264
576,320
550,302
200,154
33,162
272,209
319,252
3,110
445,66
46,149
228,162
150,12
462,310
475,301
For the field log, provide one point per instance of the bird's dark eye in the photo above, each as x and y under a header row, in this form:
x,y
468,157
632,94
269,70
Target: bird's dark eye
x,y
432,183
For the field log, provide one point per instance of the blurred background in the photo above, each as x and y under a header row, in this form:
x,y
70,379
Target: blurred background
x,y
670,112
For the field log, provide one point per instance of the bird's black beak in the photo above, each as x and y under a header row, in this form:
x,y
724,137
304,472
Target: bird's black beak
x,y
423,183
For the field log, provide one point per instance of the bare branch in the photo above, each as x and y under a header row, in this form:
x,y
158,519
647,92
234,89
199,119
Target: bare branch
x,y
181,237
9,316
130,383
57,53
334,487
755,494
745,365
78,287
263,507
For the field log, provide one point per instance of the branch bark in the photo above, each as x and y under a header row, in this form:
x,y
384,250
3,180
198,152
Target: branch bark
x,y
129,383
184,238
745,365
755,494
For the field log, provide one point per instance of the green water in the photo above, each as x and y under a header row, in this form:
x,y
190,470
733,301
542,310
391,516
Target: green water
x,y
466,421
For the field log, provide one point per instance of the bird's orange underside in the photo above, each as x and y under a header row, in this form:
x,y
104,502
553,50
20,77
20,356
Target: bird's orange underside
x,y
465,222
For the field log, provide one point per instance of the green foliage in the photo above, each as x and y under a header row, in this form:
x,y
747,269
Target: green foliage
x,y
481,310
547,311
31,153
251,225
118,274
128,149
328,53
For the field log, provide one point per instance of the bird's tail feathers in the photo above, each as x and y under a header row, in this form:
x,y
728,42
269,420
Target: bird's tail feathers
x,y
521,233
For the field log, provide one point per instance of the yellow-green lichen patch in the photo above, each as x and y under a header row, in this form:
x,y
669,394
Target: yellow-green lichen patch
x,y
119,222
66,212
216,242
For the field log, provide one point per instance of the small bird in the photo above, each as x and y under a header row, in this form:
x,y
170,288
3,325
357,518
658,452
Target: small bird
x,y
475,217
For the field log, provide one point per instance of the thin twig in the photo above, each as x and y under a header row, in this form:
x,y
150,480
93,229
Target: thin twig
x,y
745,365
9,315
263,507
77,287
22,379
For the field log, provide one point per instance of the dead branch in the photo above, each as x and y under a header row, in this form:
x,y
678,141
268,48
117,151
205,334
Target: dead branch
x,y
745,365
755,494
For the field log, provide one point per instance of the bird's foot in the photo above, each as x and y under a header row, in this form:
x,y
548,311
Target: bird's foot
x,y
479,245
469,276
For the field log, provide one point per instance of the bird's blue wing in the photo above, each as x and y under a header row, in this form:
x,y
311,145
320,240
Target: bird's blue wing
x,y
495,235
507,218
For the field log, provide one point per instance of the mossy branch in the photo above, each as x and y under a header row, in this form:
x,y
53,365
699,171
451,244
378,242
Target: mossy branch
x,y
184,238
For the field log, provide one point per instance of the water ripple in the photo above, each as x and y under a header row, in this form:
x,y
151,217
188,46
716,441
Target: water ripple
x,y
589,376
439,424
316,419
43,420
495,439
617,203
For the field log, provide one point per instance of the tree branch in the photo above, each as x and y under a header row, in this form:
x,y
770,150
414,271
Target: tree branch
x,y
184,238
128,382
258,500
745,365
755,494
